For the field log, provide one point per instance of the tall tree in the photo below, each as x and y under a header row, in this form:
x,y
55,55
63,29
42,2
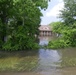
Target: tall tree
x,y
68,14
19,22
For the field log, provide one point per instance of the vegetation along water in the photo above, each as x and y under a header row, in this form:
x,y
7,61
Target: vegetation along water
x,y
66,28
39,62
22,53
19,22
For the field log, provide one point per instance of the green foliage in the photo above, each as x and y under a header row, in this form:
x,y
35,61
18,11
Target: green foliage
x,y
67,28
68,14
59,43
57,27
19,22
1,33
21,41
66,38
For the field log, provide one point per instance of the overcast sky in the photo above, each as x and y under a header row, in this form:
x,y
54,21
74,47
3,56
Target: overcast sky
x,y
51,14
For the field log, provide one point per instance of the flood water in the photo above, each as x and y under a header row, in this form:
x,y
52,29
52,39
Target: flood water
x,y
39,62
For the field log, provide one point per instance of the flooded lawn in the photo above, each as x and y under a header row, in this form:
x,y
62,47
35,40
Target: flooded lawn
x,y
39,62
18,61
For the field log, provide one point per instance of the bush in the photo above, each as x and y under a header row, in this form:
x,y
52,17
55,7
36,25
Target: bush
x,y
59,43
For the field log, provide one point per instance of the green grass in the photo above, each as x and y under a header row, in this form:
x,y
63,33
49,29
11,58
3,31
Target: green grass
x,y
18,64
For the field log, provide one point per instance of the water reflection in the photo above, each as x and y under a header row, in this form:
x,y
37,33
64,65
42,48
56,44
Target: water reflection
x,y
48,60
44,40
42,61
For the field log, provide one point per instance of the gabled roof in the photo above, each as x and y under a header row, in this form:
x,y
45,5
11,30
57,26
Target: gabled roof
x,y
45,28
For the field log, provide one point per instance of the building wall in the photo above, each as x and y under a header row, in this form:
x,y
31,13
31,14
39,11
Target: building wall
x,y
45,30
46,33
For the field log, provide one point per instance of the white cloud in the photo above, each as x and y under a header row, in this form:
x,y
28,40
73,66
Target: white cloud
x,y
54,12
60,0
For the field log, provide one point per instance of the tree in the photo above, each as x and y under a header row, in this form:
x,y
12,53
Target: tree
x,y
68,14
67,28
57,27
19,21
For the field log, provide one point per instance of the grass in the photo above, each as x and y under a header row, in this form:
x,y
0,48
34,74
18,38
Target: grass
x,y
18,64
68,62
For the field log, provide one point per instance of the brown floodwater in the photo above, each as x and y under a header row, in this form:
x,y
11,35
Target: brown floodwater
x,y
39,62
